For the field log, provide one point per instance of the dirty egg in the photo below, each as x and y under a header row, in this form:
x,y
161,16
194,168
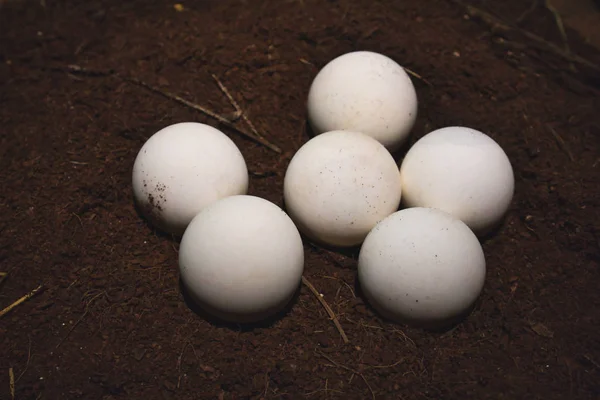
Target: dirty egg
x,y
339,185
183,168
422,266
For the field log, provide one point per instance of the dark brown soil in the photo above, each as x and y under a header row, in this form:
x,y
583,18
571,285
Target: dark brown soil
x,y
111,321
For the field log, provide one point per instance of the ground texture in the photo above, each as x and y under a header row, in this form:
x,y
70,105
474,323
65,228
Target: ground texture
x,y
110,321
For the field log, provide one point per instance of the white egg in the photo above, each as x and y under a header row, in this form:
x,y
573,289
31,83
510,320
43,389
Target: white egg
x,y
461,171
339,185
365,92
421,266
241,259
183,168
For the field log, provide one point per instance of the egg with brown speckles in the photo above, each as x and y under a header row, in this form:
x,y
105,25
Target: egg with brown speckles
x,y
183,168
423,267
366,92
339,185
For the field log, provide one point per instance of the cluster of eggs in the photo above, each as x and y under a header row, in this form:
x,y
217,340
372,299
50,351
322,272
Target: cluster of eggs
x,y
241,257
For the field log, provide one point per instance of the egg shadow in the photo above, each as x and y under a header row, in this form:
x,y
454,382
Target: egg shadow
x,y
439,327
309,133
152,227
349,252
399,153
211,318
492,232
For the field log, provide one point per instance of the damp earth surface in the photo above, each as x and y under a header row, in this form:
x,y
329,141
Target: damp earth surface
x,y
111,321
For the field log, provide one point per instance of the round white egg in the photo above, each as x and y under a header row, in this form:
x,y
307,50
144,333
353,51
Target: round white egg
x,y
241,259
365,92
339,185
461,171
183,168
423,267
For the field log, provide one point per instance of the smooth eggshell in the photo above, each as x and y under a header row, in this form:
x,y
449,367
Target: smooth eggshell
x,y
365,92
339,185
421,266
461,171
241,259
183,168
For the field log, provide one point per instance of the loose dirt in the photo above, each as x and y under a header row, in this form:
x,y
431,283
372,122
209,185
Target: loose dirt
x,y
111,321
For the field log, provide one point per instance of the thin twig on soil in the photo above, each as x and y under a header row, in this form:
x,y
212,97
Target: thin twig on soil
x,y
21,300
355,372
496,25
561,28
76,69
387,366
349,288
528,218
413,73
404,336
78,219
11,383
557,19
179,359
205,111
261,174
238,109
3,276
319,297
267,382
27,363
326,390
561,143
344,282
532,7
591,360
87,309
